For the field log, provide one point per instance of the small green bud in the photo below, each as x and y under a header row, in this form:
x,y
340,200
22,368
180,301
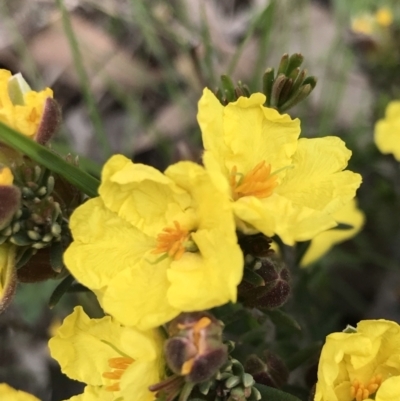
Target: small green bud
x,y
269,370
195,349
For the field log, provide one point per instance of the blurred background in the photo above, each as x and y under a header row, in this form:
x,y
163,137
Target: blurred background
x,y
128,75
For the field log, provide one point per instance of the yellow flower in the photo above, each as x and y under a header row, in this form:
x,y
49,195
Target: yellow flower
x,y
363,24
323,242
277,183
7,393
370,24
387,131
20,107
115,362
384,17
154,245
361,365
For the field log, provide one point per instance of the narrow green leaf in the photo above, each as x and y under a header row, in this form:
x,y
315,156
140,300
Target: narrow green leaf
x,y
45,157
60,290
272,394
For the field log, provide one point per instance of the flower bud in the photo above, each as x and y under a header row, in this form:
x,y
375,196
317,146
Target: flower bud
x,y
195,349
257,245
276,290
50,121
269,370
10,197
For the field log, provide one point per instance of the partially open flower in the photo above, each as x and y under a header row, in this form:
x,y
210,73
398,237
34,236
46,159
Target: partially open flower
x,y
361,364
34,114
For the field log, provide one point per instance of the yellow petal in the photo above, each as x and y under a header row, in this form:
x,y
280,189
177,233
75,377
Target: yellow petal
x,y
7,393
244,133
389,390
104,244
137,379
323,242
387,131
138,297
140,194
6,176
79,349
317,179
209,277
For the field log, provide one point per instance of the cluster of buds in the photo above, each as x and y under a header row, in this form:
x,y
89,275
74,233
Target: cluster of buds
x,y
266,281
283,90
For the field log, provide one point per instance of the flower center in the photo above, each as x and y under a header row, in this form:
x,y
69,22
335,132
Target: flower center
x,y
359,392
118,366
174,241
196,332
258,182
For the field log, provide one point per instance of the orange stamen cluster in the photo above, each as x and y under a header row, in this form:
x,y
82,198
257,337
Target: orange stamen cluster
x,y
257,182
118,365
171,241
359,392
196,330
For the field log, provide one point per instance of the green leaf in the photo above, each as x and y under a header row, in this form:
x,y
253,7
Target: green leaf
x,y
60,290
45,157
272,394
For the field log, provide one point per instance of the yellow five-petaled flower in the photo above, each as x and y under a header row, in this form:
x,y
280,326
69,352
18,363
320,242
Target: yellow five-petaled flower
x,y
154,245
278,184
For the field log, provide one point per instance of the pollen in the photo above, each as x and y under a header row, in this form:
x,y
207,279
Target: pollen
x,y
172,241
118,366
360,392
258,182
